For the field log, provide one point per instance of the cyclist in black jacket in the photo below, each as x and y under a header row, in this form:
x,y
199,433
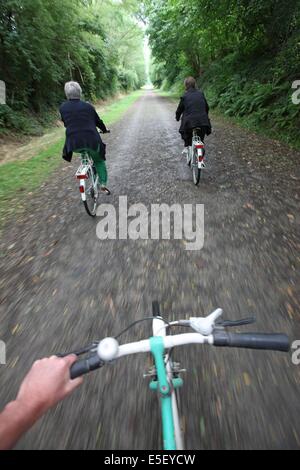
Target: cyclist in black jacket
x,y
81,121
193,110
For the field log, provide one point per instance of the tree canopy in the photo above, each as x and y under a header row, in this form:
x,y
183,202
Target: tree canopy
x,y
245,53
44,43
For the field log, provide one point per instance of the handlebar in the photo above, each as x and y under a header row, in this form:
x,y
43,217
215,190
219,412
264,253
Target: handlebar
x,y
85,366
271,342
209,330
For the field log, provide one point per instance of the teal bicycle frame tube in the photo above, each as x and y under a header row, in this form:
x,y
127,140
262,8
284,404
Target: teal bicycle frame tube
x,y
164,389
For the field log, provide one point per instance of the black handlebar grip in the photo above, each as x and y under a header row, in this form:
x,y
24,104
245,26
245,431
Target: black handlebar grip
x,y
85,366
272,342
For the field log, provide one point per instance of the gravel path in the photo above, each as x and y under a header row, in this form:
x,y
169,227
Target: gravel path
x,y
61,288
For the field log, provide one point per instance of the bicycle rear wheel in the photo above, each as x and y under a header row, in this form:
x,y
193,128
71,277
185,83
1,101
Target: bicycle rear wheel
x,y
92,194
188,157
196,171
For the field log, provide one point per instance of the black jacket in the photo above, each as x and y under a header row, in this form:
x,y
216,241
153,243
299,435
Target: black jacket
x,y
194,109
81,121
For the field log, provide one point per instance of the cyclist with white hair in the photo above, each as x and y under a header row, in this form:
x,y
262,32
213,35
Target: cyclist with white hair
x,y
81,122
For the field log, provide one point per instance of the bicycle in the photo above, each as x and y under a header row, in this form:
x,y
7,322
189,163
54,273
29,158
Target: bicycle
x,y
165,374
195,156
89,184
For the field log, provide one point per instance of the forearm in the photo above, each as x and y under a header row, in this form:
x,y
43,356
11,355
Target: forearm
x,y
15,420
47,383
180,109
99,123
102,126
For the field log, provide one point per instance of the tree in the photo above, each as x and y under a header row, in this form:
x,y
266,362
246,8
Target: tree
x,y
44,43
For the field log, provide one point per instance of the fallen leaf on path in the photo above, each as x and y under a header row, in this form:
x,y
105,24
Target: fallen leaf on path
x,y
247,379
248,205
49,252
290,310
15,329
14,362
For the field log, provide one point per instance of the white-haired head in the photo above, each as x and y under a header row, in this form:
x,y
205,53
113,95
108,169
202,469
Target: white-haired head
x,y
73,91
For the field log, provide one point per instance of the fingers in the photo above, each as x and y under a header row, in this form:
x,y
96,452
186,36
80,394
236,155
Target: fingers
x,y
73,384
69,360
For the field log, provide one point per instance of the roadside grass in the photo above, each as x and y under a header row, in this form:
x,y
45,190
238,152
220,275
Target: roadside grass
x,y
169,94
261,129
18,178
115,111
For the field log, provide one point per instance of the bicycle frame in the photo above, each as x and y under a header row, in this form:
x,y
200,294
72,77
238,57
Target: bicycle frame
x,y
196,157
198,145
83,172
165,386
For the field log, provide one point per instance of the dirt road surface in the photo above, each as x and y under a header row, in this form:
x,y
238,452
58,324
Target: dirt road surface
x,y
62,287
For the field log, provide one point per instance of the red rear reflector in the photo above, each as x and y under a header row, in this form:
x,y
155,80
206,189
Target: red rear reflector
x,y
81,189
82,177
199,146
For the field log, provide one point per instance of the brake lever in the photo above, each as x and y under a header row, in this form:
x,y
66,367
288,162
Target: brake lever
x,y
80,352
233,323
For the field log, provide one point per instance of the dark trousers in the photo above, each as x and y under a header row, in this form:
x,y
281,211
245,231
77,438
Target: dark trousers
x,y
188,136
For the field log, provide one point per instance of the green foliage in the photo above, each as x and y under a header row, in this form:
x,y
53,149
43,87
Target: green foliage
x,y
257,91
44,43
244,53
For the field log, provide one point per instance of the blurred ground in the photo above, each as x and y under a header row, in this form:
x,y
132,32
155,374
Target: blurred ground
x,y
61,287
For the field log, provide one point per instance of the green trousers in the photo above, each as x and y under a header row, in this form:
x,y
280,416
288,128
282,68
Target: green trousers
x,y
99,164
